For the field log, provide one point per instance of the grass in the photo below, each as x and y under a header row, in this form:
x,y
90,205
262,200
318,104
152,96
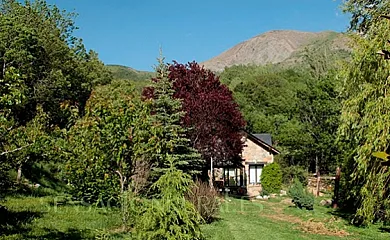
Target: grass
x,y
43,218
276,219
50,218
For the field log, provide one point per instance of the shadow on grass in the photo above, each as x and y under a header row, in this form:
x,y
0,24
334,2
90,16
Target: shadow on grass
x,y
341,213
45,176
19,223
215,220
236,196
16,222
41,182
385,229
68,235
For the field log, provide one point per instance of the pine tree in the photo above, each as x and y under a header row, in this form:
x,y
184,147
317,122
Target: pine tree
x,y
167,115
169,215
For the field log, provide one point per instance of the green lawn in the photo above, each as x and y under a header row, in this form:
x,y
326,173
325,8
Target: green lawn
x,y
42,218
242,219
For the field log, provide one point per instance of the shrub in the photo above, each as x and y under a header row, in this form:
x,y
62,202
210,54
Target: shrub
x,y
205,199
300,197
271,178
292,172
170,216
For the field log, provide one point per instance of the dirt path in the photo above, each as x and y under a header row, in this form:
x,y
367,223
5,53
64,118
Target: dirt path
x,y
308,226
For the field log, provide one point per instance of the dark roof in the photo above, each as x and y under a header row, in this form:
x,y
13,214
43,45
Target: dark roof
x,y
265,137
263,140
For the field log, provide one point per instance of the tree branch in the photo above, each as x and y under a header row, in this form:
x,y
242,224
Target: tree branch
x,y
15,150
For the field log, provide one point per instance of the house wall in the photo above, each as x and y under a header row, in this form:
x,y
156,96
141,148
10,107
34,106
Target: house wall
x,y
254,154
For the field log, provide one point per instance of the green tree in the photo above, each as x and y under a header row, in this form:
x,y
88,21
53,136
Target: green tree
x,y
11,96
171,136
365,13
170,215
43,68
364,125
267,96
299,106
119,135
319,106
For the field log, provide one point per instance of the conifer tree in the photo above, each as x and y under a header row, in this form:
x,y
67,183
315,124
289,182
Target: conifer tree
x,y
167,115
169,215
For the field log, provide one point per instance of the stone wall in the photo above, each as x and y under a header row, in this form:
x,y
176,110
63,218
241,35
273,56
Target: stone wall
x,y
326,185
254,153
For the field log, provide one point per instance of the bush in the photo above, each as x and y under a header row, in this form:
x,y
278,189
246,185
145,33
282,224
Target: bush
x,y
170,216
271,178
300,197
205,199
292,172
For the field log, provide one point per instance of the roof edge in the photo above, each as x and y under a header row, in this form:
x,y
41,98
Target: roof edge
x,y
263,144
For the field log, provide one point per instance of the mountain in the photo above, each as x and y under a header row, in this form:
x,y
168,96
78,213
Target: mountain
x,y
278,47
127,73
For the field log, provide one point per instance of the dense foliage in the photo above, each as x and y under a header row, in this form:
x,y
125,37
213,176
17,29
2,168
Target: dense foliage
x,y
169,215
139,79
44,73
118,131
299,107
294,172
172,136
300,196
212,116
271,178
365,13
365,124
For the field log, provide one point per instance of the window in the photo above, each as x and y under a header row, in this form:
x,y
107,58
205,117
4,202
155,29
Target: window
x,y
255,173
233,177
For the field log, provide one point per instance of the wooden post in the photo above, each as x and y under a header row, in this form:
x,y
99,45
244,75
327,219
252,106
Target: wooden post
x,y
211,173
336,188
318,184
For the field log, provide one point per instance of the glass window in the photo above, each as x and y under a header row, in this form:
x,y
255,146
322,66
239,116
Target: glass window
x,y
252,174
259,171
233,177
255,174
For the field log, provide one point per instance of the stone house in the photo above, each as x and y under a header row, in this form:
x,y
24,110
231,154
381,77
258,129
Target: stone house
x,y
257,153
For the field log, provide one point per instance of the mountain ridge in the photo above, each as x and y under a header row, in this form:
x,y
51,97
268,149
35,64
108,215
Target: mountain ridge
x,y
277,47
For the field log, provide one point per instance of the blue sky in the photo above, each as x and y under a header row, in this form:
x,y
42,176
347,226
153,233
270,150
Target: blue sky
x,y
130,32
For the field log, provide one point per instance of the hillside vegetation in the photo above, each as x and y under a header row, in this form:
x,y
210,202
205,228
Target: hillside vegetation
x,y
127,73
139,79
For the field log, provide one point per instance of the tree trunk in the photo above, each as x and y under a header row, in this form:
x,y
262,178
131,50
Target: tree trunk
x,y
19,175
211,174
318,178
336,188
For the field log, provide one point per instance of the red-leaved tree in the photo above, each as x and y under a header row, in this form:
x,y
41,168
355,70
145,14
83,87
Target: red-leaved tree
x,y
212,116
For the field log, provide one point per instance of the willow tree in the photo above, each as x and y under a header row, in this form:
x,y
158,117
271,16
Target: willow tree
x,y
364,13
365,125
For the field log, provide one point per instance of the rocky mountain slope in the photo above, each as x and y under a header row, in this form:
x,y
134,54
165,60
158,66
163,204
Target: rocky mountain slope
x,y
280,46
